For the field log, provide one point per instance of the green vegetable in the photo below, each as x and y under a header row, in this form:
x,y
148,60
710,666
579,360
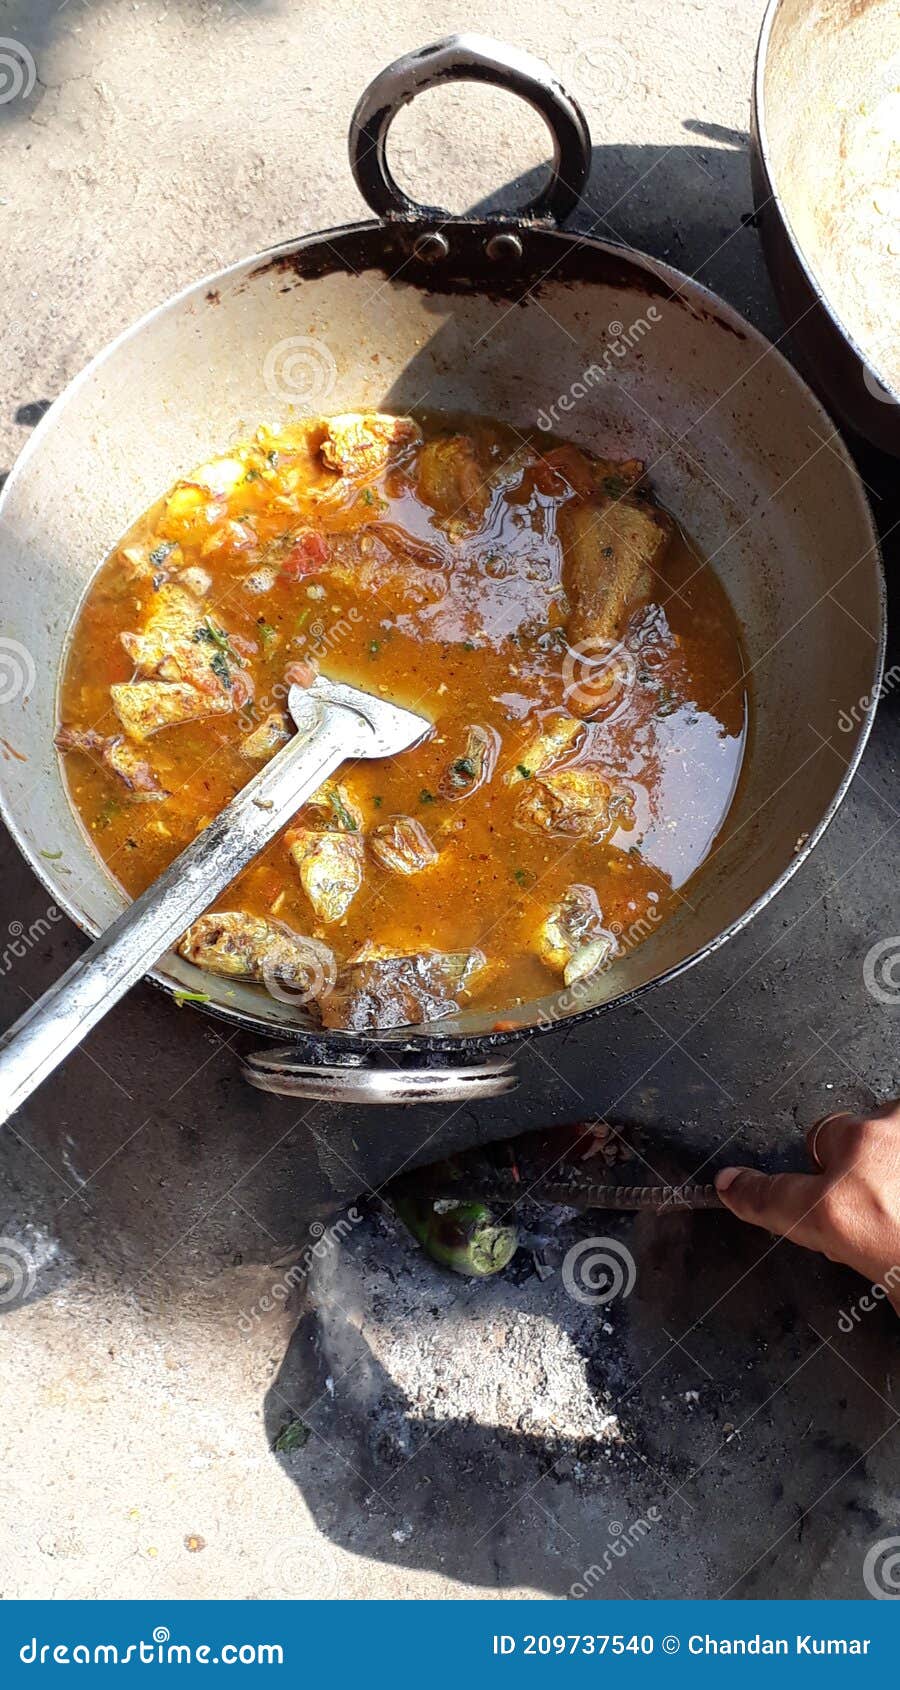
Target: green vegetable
x,y
524,771
292,1436
342,814
615,486
218,636
266,633
426,797
521,876
224,652
463,771
50,856
463,1236
667,702
181,998
161,552
111,808
374,648
219,666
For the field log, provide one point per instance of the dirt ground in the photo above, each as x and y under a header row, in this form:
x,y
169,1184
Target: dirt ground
x,y
714,1432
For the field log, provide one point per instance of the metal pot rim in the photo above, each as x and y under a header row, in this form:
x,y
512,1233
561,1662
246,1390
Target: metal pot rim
x,y
718,309
760,123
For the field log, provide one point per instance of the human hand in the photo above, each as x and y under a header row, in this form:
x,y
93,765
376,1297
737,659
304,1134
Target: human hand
x,y
849,1210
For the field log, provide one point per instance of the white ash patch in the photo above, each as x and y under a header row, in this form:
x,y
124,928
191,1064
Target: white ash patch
x,y
511,1353
518,1372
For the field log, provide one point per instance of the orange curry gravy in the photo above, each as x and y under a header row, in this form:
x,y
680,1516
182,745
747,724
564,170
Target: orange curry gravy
x,y
435,567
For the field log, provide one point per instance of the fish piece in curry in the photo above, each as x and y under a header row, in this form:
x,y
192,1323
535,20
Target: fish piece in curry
x,y
239,946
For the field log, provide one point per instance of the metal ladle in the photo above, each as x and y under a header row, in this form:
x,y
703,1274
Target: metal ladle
x,y
334,722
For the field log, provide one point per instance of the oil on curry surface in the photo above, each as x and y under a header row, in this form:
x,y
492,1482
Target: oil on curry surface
x,y
580,664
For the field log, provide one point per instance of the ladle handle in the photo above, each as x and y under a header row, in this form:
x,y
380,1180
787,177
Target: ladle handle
x,y
48,1031
469,58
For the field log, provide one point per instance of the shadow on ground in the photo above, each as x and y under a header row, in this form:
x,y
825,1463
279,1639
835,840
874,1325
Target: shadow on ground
x,y
698,1438
148,1161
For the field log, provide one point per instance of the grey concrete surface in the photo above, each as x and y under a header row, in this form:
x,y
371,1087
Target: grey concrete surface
x,y
162,1203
